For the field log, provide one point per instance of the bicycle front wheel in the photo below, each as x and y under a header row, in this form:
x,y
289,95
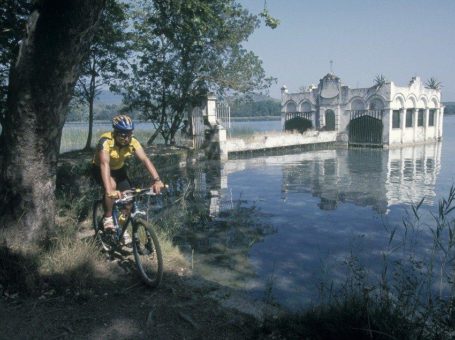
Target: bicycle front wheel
x,y
147,253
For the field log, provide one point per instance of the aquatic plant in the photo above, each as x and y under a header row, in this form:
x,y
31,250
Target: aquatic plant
x,y
412,298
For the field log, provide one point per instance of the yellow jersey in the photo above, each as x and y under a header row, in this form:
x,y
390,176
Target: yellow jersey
x,y
117,154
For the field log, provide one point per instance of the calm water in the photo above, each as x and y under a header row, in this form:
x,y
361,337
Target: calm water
x,y
314,209
311,211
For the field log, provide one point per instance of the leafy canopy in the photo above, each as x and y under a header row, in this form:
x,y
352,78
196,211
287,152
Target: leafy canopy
x,y
185,49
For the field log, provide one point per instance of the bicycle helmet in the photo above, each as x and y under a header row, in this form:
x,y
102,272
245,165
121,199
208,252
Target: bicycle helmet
x,y
122,123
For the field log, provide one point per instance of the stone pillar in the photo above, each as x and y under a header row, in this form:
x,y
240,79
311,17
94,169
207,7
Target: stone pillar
x,y
440,113
402,123
415,116
425,123
387,129
283,119
284,92
211,110
222,140
322,118
217,147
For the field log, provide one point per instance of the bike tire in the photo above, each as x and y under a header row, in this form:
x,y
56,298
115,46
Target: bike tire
x,y
147,253
104,241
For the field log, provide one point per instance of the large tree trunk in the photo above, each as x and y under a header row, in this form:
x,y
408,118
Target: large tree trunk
x,y
40,87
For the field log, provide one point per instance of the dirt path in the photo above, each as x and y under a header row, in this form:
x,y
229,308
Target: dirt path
x,y
120,307
126,309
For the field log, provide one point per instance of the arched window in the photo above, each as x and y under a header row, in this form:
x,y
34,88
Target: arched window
x,y
291,107
376,104
357,105
330,120
306,107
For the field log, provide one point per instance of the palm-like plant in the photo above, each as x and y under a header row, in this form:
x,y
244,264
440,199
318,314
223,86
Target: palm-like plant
x,y
379,81
433,84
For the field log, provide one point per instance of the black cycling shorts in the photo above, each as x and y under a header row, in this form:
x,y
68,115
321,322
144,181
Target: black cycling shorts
x,y
120,176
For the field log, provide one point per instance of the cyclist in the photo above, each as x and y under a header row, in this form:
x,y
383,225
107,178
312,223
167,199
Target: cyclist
x,y
108,165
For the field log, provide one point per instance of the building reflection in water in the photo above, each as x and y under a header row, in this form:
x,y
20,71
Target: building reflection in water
x,y
367,177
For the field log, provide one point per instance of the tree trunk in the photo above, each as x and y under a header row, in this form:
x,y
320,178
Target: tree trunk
x,y
40,87
153,136
91,100
88,144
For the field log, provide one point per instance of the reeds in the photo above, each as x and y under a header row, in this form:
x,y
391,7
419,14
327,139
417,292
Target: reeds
x,y
412,298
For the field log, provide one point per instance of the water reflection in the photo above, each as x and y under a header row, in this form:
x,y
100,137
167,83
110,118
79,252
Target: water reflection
x,y
273,222
366,177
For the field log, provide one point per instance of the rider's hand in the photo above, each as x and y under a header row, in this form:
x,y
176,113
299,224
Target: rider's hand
x,y
114,194
157,185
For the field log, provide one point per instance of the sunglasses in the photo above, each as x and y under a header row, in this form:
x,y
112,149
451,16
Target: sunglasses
x,y
124,134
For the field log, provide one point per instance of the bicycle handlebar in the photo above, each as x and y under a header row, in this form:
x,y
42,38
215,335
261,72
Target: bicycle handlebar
x,y
134,192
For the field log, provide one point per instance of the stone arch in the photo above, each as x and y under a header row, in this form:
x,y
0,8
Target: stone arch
x,y
329,120
357,104
423,102
376,103
306,106
411,101
291,106
398,102
434,103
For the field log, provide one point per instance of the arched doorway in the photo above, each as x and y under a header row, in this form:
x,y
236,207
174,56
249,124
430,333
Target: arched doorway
x,y
330,120
366,128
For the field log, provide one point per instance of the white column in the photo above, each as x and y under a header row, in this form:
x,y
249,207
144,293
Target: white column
x,y
402,123
425,123
415,116
440,112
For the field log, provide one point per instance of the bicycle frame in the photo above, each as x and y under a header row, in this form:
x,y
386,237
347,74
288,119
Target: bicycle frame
x,y
128,203
145,244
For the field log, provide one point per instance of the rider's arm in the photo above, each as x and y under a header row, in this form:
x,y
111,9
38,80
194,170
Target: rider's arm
x,y
156,181
105,171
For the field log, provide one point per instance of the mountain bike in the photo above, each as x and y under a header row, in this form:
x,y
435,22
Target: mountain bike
x,y
127,215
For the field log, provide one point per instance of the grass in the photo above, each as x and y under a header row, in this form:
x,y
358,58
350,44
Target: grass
x,y
412,298
74,135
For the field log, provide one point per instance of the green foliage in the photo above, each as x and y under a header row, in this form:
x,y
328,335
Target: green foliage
x,y
106,59
269,20
297,124
108,52
13,17
248,108
183,50
433,84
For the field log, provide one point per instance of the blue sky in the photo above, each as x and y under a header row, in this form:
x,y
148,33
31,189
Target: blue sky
x,y
397,38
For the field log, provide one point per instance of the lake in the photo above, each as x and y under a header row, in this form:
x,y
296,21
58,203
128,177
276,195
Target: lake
x,y
310,214
313,212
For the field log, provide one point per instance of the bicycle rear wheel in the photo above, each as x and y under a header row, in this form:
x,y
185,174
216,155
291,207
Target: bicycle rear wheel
x,y
147,253
104,240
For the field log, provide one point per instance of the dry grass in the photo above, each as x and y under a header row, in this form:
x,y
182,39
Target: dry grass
x,y
72,262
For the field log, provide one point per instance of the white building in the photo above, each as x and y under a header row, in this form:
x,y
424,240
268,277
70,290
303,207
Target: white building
x,y
387,115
